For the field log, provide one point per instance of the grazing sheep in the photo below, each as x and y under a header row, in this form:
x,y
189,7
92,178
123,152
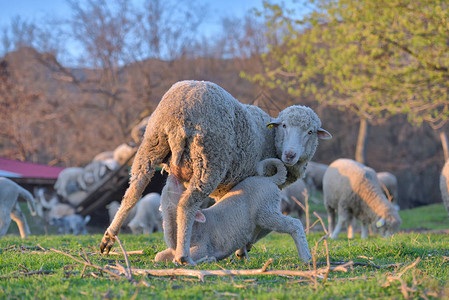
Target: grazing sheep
x,y
10,192
389,185
210,141
73,224
289,194
148,218
248,212
444,185
353,191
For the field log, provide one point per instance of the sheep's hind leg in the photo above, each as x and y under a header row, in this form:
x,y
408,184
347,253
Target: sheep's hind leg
x,y
18,217
207,174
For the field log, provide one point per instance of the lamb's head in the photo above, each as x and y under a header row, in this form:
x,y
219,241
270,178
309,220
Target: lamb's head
x,y
389,225
298,129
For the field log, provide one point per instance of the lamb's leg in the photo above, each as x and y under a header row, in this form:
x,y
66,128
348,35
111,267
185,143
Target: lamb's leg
x,y
276,221
18,217
331,219
5,220
351,228
364,231
167,255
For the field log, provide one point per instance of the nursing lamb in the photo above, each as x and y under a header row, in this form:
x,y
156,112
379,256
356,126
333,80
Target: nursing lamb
x,y
245,214
209,141
10,192
351,189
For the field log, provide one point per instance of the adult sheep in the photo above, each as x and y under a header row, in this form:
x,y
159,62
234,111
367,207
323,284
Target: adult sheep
x,y
10,209
209,141
444,185
353,190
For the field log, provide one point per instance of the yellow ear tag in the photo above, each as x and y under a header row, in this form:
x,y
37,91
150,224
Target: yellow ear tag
x,y
380,223
269,126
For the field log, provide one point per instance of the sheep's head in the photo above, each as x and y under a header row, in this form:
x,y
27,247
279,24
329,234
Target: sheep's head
x,y
388,226
298,129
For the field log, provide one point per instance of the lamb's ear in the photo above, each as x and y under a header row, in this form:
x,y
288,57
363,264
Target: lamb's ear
x,y
323,134
380,222
274,123
200,217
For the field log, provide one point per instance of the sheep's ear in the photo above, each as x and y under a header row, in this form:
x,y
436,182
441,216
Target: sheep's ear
x,y
380,222
274,123
200,217
324,134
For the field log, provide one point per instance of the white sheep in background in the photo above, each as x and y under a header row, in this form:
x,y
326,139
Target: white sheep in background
x,y
352,190
389,185
50,206
73,224
314,176
122,153
444,185
138,131
210,141
113,208
248,212
66,177
294,191
10,192
148,218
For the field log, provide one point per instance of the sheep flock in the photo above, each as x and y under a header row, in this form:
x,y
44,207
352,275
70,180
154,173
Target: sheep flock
x,y
235,174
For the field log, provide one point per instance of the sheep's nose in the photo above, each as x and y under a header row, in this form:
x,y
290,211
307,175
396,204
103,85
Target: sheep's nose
x,y
290,155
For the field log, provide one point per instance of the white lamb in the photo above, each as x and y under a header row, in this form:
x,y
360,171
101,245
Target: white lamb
x,y
351,189
210,141
67,176
288,195
49,205
248,212
73,224
444,185
10,192
148,218
113,208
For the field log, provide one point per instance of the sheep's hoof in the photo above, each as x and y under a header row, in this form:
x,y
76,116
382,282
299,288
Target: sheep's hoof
x,y
185,260
107,242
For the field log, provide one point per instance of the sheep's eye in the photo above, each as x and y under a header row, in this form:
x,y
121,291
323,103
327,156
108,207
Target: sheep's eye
x,y
283,125
310,132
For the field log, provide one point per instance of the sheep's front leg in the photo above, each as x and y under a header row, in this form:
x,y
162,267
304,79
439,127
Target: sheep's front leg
x,y
18,217
364,231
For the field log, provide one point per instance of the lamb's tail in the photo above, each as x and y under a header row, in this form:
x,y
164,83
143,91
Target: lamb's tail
x,y
266,167
23,193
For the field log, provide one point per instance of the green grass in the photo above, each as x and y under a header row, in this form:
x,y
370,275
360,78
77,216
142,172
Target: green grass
x,y
428,279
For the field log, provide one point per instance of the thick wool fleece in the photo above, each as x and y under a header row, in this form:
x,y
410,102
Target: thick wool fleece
x,y
353,190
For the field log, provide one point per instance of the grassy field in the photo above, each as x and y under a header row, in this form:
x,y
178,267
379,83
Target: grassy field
x,y
411,264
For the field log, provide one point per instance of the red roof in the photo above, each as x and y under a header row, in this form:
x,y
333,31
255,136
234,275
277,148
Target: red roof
x,y
15,168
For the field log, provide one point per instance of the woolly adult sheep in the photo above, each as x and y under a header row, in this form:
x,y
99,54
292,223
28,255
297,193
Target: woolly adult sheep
x,y
210,142
10,192
245,214
444,185
351,189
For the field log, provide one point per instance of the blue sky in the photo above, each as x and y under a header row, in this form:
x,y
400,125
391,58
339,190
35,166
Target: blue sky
x,y
35,9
